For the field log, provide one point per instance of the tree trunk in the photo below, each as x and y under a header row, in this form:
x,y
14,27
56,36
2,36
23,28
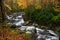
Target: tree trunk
x,y
2,8
2,11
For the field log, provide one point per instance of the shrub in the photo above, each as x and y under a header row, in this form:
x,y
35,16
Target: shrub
x,y
44,16
29,11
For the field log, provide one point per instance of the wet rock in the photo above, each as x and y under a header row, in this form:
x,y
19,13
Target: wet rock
x,y
13,26
22,28
47,35
29,28
52,32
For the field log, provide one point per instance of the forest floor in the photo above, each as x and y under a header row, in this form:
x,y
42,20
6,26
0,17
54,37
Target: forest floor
x,y
10,34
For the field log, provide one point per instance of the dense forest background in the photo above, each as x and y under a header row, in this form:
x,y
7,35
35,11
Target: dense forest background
x,y
44,13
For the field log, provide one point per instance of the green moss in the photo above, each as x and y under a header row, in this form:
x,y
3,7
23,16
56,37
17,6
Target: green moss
x,y
29,36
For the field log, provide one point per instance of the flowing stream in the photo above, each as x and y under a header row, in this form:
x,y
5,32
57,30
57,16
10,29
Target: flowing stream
x,y
37,33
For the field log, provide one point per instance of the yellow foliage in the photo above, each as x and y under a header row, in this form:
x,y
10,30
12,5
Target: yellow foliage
x,y
37,6
8,6
22,4
57,9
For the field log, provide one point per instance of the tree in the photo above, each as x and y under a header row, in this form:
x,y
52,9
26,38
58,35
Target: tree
x,y
2,10
3,16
